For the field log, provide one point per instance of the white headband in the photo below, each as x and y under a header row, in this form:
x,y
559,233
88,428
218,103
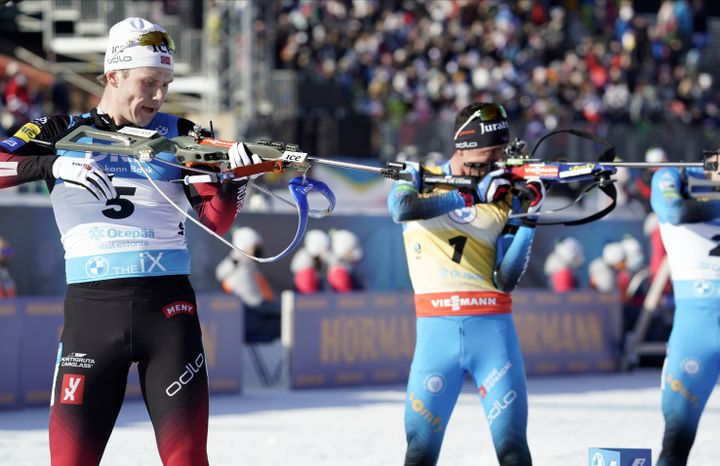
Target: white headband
x,y
130,46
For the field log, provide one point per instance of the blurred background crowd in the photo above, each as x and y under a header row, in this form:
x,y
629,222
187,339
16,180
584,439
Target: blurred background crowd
x,y
550,63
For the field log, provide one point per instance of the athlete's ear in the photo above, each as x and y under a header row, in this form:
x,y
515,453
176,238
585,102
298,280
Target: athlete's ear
x,y
113,78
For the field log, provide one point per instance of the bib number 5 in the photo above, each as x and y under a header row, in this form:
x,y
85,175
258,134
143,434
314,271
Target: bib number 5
x,y
120,207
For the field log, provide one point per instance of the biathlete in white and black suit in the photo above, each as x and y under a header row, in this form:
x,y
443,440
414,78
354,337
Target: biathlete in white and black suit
x,y
129,298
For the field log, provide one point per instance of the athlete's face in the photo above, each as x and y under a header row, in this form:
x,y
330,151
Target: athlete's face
x,y
139,94
714,176
476,162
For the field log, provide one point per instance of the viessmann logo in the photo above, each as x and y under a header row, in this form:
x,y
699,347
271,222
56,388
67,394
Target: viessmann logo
x,y
455,302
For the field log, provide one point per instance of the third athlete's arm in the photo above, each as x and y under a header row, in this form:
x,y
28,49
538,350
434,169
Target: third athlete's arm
x,y
672,207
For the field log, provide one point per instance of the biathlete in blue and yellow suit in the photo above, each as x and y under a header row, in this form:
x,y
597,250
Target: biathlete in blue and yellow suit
x,y
690,229
464,257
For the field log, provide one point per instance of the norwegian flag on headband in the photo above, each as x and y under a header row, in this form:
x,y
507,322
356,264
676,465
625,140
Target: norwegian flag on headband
x,y
165,60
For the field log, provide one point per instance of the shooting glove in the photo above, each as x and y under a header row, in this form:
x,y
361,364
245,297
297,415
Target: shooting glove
x,y
239,156
493,187
413,168
535,195
86,173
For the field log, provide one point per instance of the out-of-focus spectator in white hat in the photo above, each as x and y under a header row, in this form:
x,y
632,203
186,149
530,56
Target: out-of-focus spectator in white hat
x,y
346,253
634,255
241,276
309,263
655,155
602,276
561,264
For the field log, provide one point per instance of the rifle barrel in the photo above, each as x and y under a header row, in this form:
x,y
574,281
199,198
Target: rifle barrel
x,y
392,170
652,165
352,166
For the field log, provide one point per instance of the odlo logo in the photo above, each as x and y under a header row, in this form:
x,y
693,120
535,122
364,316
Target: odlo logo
x,y
188,374
499,406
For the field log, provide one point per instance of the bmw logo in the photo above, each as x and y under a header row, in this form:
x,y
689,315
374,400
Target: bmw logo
x,y
464,215
434,383
702,288
97,266
691,366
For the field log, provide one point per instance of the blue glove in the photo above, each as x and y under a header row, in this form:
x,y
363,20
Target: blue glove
x,y
493,187
413,168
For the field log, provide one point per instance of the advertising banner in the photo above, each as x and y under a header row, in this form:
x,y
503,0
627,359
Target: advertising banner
x,y
30,330
368,338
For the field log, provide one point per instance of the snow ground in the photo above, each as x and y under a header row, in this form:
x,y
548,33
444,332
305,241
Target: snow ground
x,y
364,426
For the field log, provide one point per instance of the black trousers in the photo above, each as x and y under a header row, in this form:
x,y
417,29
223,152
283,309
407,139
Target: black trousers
x,y
108,326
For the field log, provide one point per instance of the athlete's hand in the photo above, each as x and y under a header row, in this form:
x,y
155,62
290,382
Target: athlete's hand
x,y
537,188
240,156
86,173
412,169
493,187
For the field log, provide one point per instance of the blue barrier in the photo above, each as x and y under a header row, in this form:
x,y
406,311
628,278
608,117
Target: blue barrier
x,y
357,338
368,338
30,330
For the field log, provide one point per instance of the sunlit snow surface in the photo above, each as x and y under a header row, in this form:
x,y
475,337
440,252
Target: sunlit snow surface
x,y
361,426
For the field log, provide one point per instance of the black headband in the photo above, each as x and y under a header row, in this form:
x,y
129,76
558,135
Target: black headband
x,y
479,134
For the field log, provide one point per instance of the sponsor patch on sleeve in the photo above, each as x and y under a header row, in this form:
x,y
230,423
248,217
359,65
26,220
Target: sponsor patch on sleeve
x,y
28,131
12,144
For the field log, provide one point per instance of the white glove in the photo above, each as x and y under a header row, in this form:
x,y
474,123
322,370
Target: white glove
x,y
86,173
239,156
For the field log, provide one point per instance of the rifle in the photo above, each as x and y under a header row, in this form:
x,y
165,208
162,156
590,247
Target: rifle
x,y
197,149
521,166
208,157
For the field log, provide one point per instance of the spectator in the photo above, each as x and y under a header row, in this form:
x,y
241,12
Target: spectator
x,y
614,256
16,96
581,59
60,95
309,264
561,264
602,277
654,155
7,284
346,253
239,275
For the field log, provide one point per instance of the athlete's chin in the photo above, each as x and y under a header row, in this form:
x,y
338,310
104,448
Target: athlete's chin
x,y
142,121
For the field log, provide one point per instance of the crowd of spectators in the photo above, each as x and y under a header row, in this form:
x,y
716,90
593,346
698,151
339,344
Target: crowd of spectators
x,y
20,101
548,62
